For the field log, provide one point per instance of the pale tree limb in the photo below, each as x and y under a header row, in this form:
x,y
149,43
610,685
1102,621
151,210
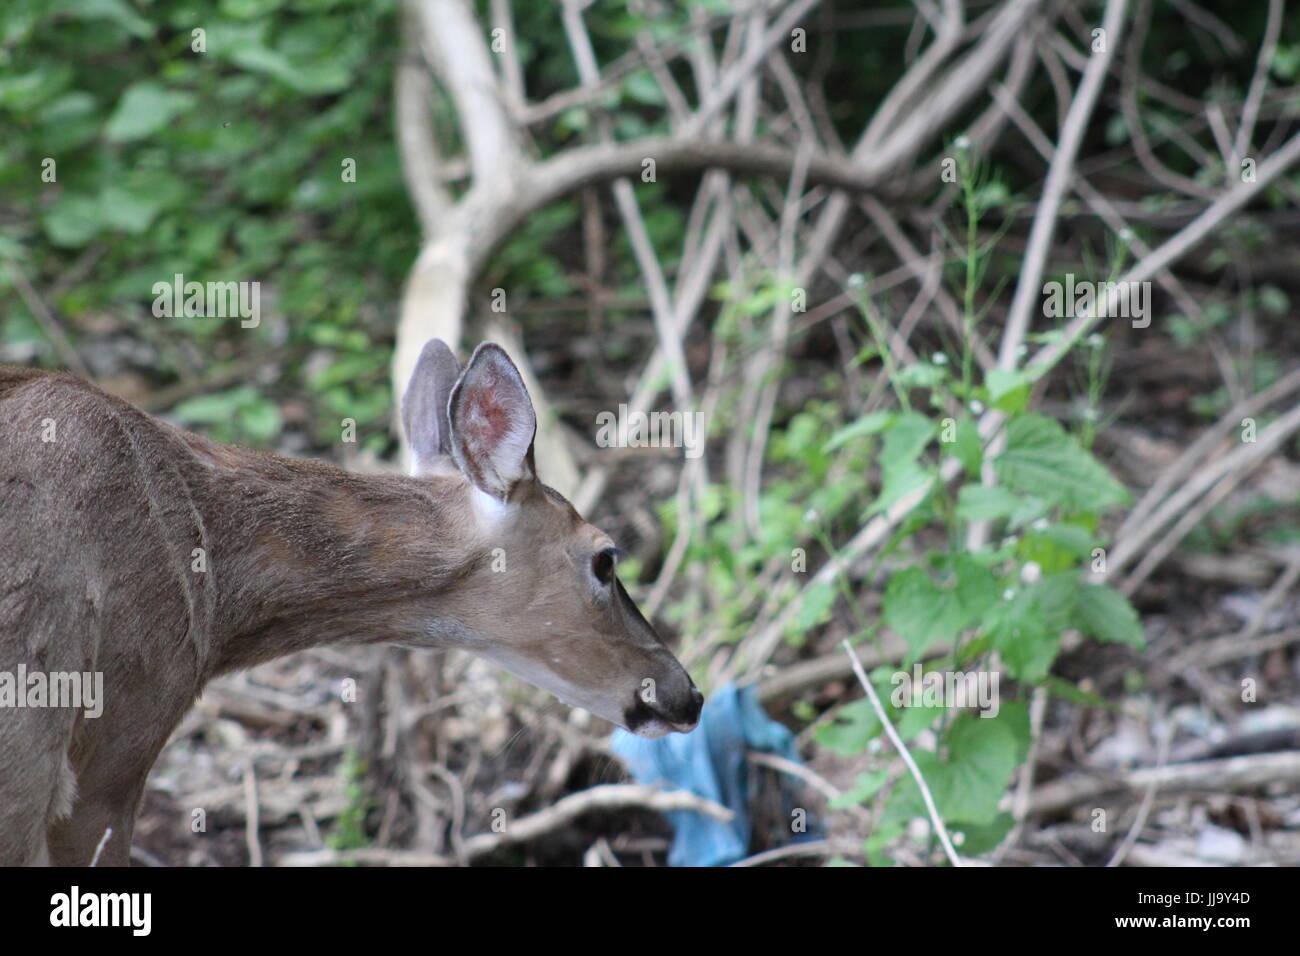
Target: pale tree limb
x,y
606,797
1229,775
1191,235
1250,111
1028,289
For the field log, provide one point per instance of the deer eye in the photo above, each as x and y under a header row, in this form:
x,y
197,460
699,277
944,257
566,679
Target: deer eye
x,y
602,565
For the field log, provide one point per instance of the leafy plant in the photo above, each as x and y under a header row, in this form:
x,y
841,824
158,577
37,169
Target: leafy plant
x,y
1000,608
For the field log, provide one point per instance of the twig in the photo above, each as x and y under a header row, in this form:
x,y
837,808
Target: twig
x,y
1058,181
1199,451
251,835
807,848
1148,798
1242,458
1280,589
607,797
63,346
1258,82
1217,776
99,848
899,746
807,775
1025,786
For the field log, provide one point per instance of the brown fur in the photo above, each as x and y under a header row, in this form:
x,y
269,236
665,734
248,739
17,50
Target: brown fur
x,y
97,533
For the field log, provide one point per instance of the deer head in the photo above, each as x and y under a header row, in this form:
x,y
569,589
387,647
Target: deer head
x,y
540,595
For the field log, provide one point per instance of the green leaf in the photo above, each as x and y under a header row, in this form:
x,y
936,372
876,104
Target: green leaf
x,y
867,786
903,444
1027,645
855,725
1040,459
900,482
906,438
1055,547
815,606
117,11
129,211
968,447
73,220
922,375
866,425
983,838
1070,537
985,503
1106,614
910,720
968,786
144,108
1009,389
923,614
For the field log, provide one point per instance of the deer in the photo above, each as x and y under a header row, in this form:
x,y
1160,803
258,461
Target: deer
x,y
160,559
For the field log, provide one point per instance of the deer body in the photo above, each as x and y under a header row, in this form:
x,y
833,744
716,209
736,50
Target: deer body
x,y
162,559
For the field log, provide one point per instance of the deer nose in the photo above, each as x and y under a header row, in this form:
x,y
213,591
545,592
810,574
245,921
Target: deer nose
x,y
679,711
685,716
695,706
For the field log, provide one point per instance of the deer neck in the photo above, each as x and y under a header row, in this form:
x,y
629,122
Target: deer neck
x,y
304,554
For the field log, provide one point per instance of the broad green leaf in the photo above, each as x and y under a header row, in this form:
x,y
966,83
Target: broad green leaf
x,y
855,725
1009,389
867,786
1106,614
983,753
1040,459
1056,596
73,220
144,108
866,425
906,438
901,481
910,720
968,785
986,503
1017,630
923,614
129,211
815,606
118,11
983,838
903,444
1070,537
1056,547
922,375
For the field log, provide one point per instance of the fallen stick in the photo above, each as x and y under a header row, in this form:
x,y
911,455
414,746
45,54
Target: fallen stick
x,y
1233,774
608,797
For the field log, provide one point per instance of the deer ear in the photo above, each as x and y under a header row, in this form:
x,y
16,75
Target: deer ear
x,y
424,406
492,423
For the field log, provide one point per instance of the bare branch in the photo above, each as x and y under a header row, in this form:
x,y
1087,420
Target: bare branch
x,y
464,65
1058,181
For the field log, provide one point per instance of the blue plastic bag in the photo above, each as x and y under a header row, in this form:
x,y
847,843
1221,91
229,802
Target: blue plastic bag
x,y
710,762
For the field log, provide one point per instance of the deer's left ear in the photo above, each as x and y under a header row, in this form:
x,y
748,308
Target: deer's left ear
x,y
492,423
424,406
